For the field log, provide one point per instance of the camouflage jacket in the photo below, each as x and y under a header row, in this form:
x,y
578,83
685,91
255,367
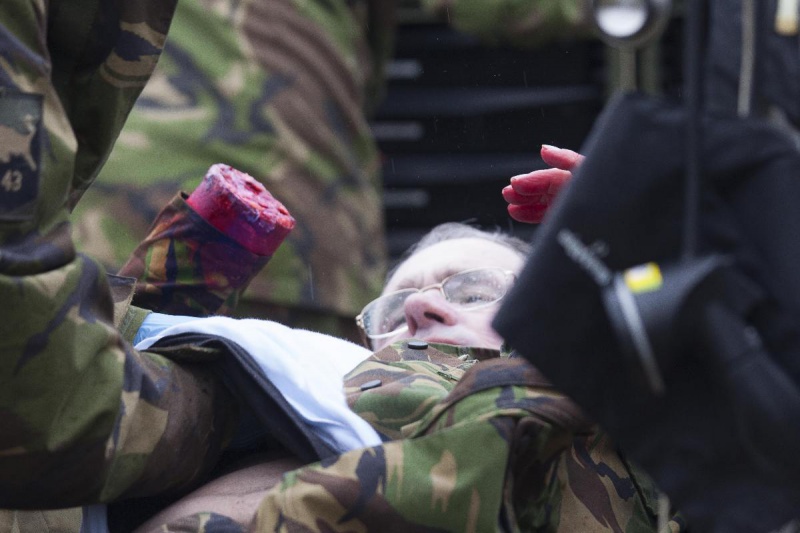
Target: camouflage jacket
x,y
470,447
278,89
81,411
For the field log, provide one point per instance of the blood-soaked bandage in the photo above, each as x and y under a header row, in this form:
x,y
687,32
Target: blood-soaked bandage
x,y
240,207
203,250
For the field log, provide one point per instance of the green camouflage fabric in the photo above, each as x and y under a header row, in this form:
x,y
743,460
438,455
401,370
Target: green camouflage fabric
x,y
475,447
202,523
185,266
277,89
84,417
515,22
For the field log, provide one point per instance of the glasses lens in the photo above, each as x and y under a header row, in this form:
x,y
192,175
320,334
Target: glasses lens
x,y
475,288
386,314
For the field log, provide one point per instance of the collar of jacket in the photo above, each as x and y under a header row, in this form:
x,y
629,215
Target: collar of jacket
x,y
127,318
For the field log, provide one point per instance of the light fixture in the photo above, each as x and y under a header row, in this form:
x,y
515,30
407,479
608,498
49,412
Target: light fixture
x,y
630,23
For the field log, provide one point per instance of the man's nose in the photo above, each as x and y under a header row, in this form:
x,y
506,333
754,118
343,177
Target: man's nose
x,y
424,309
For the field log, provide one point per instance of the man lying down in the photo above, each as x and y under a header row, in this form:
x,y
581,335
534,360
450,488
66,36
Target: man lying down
x,y
439,429
244,425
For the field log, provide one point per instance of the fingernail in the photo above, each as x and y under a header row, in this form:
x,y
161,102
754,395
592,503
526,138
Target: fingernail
x,y
549,147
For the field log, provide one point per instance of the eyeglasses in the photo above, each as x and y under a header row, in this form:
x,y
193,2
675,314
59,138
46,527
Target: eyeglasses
x,y
470,289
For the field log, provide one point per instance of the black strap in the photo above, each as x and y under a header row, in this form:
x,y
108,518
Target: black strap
x,y
258,394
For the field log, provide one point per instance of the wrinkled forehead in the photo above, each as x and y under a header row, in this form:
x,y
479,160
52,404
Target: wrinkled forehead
x,y
436,262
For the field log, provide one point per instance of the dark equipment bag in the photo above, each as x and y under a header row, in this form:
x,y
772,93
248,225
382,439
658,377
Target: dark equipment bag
x,y
722,435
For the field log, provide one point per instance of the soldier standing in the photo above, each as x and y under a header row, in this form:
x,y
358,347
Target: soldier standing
x,y
282,90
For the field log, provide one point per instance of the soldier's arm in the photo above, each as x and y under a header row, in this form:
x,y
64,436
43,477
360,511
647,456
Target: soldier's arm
x,y
84,417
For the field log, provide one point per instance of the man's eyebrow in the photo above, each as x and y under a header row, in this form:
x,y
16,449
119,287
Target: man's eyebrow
x,y
409,283
438,276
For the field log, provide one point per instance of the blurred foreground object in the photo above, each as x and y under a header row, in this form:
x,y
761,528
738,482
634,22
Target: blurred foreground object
x,y
227,230
695,435
682,284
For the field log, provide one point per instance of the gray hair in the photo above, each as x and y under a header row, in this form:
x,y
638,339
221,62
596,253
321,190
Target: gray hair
x,y
458,230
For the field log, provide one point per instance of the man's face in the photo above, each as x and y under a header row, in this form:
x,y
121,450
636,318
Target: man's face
x,y
428,314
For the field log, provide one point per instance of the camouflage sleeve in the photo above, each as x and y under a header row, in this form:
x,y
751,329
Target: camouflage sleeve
x,y
516,22
503,450
203,523
276,89
185,266
84,417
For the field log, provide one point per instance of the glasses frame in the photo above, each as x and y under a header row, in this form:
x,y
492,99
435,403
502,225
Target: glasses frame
x,y
440,287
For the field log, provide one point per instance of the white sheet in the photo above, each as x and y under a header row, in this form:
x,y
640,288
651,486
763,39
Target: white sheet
x,y
307,367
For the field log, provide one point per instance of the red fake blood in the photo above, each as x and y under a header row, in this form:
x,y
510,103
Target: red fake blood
x,y
240,207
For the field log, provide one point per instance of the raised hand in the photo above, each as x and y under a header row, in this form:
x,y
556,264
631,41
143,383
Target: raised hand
x,y
530,195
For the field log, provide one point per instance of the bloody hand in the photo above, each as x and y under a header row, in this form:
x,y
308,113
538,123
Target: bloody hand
x,y
530,195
